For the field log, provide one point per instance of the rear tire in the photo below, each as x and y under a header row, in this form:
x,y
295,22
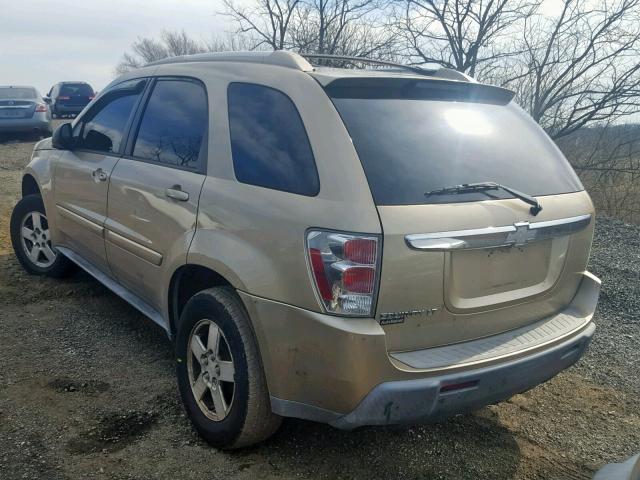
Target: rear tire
x,y
31,240
243,417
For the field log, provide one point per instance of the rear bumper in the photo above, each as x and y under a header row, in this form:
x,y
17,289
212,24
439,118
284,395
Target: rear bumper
x,y
338,370
428,399
68,109
24,125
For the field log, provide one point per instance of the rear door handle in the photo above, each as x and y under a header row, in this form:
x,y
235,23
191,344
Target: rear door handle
x,y
177,193
99,175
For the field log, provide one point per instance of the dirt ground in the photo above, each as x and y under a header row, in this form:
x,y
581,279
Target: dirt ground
x,y
87,390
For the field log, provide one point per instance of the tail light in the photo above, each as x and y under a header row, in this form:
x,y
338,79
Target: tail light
x,y
41,108
345,271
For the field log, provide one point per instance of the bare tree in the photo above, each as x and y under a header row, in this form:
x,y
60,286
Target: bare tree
x,y
348,27
467,35
146,50
176,43
607,159
267,20
333,26
581,67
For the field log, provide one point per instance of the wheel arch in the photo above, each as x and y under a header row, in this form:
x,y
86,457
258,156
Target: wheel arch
x,y
30,185
186,281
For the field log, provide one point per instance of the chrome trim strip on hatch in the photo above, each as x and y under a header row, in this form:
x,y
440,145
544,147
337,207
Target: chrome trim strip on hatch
x,y
518,234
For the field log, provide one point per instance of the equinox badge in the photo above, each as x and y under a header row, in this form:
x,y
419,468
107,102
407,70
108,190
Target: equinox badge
x,y
399,317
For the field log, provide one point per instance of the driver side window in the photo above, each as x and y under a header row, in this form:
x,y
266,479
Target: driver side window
x,y
102,128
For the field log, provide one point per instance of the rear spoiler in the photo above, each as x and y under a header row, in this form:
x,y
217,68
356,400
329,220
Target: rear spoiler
x,y
417,89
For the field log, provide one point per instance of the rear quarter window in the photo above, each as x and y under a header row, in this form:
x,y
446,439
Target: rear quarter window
x,y
269,143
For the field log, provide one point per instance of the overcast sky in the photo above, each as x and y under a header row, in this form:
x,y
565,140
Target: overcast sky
x,y
47,41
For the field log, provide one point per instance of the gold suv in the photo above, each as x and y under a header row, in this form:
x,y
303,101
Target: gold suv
x,y
356,247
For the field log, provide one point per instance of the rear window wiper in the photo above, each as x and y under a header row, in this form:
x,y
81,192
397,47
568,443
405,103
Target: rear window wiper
x,y
485,186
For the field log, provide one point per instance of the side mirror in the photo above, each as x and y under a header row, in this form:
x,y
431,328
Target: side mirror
x,y
47,99
63,137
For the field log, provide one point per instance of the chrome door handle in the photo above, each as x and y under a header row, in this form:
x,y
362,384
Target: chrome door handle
x,y
177,193
99,175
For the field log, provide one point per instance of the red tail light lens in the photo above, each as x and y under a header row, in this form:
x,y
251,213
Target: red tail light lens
x,y
344,269
318,272
359,279
361,250
41,108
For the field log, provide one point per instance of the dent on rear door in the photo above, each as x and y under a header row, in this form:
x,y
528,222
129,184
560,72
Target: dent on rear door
x,y
147,233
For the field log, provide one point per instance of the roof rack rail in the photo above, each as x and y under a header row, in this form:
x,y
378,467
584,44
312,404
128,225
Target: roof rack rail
x,y
411,68
280,58
437,71
301,61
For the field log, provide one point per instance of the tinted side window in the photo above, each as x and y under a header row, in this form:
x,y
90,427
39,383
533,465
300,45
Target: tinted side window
x,y
173,124
269,144
103,127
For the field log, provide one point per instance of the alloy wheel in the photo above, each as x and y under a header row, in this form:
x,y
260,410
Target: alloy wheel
x,y
211,370
36,241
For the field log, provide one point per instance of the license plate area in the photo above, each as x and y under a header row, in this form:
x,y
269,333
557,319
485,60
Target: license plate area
x,y
488,278
12,113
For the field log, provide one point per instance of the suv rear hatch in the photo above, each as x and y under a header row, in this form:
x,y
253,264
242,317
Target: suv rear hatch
x,y
75,94
461,264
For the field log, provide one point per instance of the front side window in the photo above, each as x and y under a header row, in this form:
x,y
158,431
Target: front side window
x,y
174,124
103,127
269,143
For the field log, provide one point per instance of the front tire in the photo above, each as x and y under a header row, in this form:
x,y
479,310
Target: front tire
x,y
31,240
220,374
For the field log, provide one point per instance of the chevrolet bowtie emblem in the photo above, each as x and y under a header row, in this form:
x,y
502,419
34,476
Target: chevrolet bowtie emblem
x,y
522,235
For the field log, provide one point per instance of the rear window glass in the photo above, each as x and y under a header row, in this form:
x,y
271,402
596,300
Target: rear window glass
x,y
269,143
76,89
411,146
18,93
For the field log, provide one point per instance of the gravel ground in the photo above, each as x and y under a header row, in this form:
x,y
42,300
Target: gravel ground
x,y
87,390
615,258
